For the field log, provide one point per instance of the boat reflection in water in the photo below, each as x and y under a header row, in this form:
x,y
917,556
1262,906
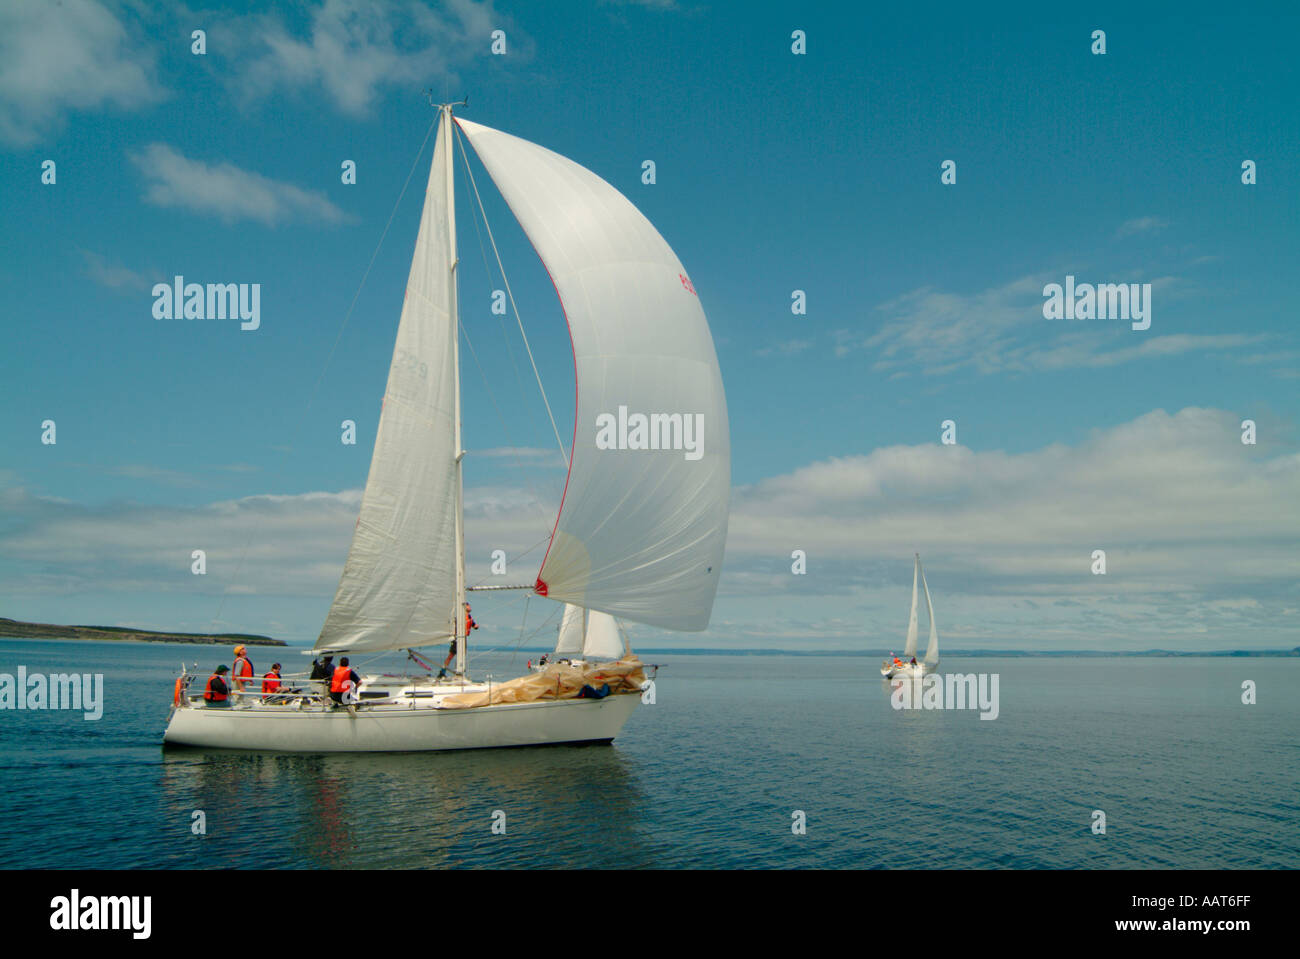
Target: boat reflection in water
x,y
410,810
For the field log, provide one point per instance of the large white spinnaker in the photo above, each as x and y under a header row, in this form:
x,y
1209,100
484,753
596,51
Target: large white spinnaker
x,y
398,586
931,650
641,531
909,650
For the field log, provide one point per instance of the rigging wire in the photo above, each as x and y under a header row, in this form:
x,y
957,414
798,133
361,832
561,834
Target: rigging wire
x,y
487,274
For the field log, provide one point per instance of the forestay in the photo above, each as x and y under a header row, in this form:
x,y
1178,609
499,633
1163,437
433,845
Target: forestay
x,y
641,531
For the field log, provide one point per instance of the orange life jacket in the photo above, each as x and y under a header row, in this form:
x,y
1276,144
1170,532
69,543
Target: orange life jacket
x,y
210,694
243,668
897,661
341,675
270,683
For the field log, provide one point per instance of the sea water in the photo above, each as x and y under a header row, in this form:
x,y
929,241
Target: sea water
x,y
743,761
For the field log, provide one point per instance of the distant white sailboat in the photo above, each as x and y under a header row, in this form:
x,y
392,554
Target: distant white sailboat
x,y
905,667
640,531
586,636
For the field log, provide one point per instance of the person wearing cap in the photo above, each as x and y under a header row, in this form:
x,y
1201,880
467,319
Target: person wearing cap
x,y
323,671
451,651
271,683
216,692
243,671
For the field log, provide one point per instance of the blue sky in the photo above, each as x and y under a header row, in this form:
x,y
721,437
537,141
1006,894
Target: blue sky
x,y
774,172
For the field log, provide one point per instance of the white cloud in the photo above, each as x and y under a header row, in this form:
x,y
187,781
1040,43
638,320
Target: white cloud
x,y
1002,330
784,348
351,49
113,276
1142,224
1082,350
1183,509
57,57
1199,531
227,191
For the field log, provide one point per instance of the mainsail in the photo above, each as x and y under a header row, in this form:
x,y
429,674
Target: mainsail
x,y
641,531
909,650
398,587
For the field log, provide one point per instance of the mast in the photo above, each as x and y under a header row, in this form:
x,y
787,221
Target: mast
x,y
458,612
909,647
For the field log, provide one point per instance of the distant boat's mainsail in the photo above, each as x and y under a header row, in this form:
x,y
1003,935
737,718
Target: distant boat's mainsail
x,y
399,584
640,532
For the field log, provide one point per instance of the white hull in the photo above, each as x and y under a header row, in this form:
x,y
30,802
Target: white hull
x,y
907,671
401,728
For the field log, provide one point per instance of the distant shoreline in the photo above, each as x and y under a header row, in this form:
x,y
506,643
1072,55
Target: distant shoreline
x,y
14,629
9,630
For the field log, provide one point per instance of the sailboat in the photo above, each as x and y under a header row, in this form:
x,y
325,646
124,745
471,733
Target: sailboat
x,y
586,636
640,528
904,668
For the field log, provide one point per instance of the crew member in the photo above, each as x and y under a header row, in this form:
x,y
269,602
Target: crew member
x,y
216,692
243,672
323,670
271,682
451,650
345,678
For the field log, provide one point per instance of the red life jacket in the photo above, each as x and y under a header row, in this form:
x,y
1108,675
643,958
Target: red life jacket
x,y
243,668
210,694
341,675
270,683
